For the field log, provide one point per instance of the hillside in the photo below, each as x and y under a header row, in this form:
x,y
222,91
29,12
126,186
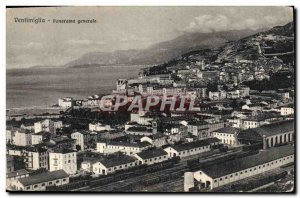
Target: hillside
x,y
276,42
163,51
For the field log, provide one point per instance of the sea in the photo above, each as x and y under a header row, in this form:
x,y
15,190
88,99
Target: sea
x,y
33,87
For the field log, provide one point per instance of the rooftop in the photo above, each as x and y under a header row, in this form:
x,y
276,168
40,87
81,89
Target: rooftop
x,y
17,173
43,177
197,144
239,164
151,153
117,160
230,130
273,129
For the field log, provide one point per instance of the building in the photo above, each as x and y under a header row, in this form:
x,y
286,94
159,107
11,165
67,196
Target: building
x,y
191,148
40,182
241,168
9,163
113,164
14,175
202,129
36,158
152,156
47,126
139,130
124,147
21,137
40,137
99,127
227,135
82,139
269,135
253,122
66,102
217,95
141,117
287,110
157,140
63,159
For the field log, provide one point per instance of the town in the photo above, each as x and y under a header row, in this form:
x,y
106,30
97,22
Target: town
x,y
238,137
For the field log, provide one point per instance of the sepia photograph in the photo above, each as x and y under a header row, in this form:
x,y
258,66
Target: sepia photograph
x,y
168,99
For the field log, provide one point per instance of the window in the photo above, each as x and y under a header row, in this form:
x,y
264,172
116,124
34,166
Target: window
x,y
50,183
43,184
220,179
28,187
264,165
120,166
57,181
241,173
231,175
216,180
64,180
226,177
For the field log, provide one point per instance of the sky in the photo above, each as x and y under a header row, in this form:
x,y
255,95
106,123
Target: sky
x,y
120,28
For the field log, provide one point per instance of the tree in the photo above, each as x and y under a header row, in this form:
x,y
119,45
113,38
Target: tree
x,y
78,147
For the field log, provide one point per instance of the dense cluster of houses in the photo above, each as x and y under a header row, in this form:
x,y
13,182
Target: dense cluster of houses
x,y
232,115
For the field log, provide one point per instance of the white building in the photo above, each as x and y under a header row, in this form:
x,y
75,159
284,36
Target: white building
x,y
63,159
36,158
227,135
21,137
13,176
38,138
217,95
152,156
65,102
240,168
124,147
39,182
191,148
112,164
287,110
141,117
47,126
157,140
81,138
99,127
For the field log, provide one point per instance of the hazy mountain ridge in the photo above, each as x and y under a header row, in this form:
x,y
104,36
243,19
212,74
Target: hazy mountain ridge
x,y
161,52
277,40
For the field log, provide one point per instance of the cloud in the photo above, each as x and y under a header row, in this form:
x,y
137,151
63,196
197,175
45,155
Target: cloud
x,y
211,23
208,23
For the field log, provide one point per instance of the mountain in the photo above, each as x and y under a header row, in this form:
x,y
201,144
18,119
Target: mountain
x,y
278,40
275,42
161,52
